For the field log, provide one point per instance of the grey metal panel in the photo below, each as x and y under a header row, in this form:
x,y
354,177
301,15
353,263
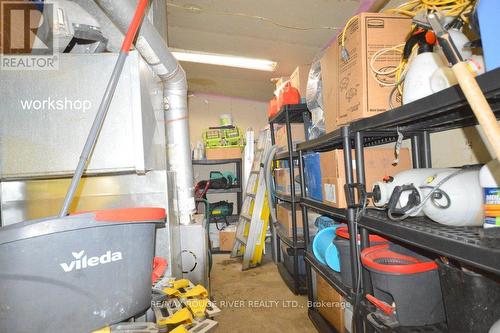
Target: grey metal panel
x,y
33,199
47,142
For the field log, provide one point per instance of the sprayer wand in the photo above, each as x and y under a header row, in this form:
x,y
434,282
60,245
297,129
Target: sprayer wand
x,y
104,106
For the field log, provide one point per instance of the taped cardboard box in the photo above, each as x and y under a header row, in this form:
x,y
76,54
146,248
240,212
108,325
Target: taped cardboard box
x,y
298,136
282,181
284,216
359,95
298,80
331,304
378,164
223,153
226,238
329,74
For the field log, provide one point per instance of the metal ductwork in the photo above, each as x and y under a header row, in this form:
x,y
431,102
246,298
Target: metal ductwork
x,y
154,50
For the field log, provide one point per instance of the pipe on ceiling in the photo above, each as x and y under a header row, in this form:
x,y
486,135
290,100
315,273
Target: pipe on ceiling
x,y
155,52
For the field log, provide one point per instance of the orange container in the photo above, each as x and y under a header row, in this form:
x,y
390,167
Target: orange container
x,y
289,95
272,109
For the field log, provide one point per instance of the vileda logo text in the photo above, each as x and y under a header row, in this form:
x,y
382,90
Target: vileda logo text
x,y
82,261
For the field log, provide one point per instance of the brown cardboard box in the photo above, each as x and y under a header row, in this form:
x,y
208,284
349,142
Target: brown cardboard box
x,y
226,239
282,180
329,74
298,79
298,136
358,94
223,153
331,304
378,164
284,216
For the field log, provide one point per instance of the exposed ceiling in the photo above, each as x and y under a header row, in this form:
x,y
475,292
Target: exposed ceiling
x,y
225,26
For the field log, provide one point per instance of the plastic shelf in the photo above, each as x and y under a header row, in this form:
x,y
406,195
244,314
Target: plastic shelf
x,y
460,243
288,240
287,197
215,162
368,308
224,190
295,114
290,282
324,209
330,276
285,155
321,324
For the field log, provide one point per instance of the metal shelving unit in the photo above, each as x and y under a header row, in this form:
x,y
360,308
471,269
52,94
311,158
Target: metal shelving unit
x,y
439,112
238,190
289,114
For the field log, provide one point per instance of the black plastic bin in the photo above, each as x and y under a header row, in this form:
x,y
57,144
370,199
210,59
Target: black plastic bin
x,y
341,241
407,279
287,254
471,300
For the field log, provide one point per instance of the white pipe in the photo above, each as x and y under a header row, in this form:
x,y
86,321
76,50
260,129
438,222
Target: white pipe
x,y
154,50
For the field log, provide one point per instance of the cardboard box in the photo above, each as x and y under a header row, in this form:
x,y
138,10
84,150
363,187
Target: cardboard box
x,y
298,79
284,216
226,239
378,164
331,304
282,181
298,136
329,75
358,94
223,153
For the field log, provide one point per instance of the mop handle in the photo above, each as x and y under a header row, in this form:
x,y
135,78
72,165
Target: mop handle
x,y
478,103
104,106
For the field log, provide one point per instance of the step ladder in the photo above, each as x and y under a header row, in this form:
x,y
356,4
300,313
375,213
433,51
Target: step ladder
x,y
254,218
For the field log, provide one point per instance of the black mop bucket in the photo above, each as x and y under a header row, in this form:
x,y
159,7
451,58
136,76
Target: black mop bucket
x,y
341,241
471,300
408,280
77,273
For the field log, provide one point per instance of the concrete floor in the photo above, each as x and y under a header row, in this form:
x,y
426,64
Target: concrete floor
x,y
256,300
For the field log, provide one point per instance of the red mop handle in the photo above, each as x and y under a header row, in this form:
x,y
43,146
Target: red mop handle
x,y
134,25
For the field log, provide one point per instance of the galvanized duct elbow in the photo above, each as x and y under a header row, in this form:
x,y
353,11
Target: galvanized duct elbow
x,y
154,50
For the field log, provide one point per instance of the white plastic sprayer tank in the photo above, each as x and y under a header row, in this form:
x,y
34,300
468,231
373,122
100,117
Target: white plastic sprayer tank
x,y
459,201
408,177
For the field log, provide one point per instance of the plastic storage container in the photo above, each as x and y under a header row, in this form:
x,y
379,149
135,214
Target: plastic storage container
x,y
312,176
471,300
77,273
287,254
344,250
408,280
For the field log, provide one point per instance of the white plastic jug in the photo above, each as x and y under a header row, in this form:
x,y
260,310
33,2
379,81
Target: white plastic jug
x,y
459,201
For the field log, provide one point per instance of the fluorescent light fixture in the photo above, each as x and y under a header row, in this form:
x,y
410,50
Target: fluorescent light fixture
x,y
224,60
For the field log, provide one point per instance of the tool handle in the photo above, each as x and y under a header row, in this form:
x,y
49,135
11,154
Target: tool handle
x,y
479,105
386,308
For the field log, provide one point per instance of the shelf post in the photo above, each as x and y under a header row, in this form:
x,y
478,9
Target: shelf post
x,y
366,286
305,226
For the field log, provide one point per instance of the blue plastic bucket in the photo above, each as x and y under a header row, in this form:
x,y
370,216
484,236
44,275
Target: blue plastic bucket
x,y
322,241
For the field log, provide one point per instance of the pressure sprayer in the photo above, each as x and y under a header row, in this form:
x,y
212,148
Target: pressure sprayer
x,y
447,196
104,106
427,72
